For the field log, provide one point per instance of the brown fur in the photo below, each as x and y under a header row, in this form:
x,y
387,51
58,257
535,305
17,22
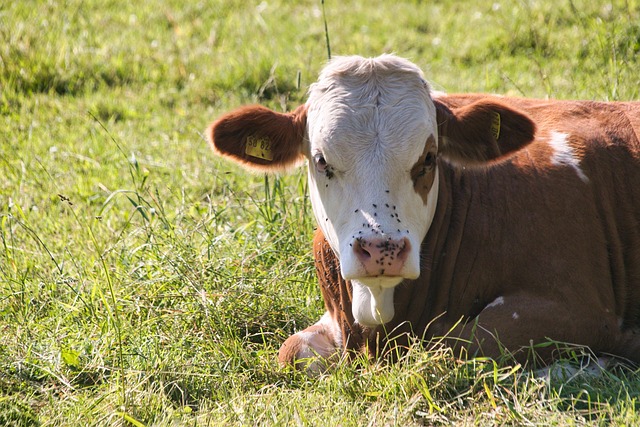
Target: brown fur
x,y
564,255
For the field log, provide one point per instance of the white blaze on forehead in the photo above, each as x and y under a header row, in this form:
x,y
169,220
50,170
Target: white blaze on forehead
x,y
369,108
565,155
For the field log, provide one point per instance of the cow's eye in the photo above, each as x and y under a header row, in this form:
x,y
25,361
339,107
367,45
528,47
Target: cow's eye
x,y
430,159
420,170
321,163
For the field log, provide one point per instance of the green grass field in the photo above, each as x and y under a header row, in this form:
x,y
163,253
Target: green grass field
x,y
144,282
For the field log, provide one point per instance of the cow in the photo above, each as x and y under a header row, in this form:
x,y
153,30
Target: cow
x,y
495,224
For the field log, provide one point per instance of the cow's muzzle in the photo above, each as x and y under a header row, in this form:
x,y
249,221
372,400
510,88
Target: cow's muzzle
x,y
382,256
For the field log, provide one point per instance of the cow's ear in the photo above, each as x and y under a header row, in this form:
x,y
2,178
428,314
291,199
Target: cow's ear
x,y
259,138
482,131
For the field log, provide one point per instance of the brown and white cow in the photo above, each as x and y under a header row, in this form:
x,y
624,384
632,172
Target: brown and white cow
x,y
453,216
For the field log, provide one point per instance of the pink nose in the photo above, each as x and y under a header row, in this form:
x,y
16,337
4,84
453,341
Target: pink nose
x,y
382,256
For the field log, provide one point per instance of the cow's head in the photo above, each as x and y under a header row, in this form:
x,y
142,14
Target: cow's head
x,y
372,135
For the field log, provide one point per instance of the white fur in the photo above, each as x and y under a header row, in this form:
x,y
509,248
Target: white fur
x,y
332,328
564,154
592,367
370,119
372,305
320,346
435,94
496,302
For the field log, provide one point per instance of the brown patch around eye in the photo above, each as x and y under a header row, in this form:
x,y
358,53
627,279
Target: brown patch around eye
x,y
423,171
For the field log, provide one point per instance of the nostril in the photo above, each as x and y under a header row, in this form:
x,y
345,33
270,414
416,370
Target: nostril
x,y
360,251
403,248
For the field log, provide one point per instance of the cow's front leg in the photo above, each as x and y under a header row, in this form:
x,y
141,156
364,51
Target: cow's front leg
x,y
313,349
522,326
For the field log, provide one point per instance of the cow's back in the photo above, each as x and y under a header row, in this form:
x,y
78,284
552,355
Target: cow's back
x,y
604,140
598,143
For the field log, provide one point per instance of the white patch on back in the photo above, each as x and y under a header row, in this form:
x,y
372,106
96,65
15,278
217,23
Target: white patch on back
x,y
515,316
496,302
564,154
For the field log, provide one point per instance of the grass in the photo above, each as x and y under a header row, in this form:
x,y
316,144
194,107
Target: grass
x,y
145,282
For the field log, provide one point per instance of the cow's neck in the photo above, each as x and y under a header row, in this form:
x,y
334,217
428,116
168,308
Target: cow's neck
x,y
445,291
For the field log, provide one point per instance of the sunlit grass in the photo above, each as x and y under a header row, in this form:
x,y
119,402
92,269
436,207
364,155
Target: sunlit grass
x,y
145,282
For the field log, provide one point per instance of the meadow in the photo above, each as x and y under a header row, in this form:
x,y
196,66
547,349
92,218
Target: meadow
x,y
145,282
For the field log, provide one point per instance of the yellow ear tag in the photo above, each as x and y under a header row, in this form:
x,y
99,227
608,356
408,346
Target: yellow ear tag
x,y
495,125
259,147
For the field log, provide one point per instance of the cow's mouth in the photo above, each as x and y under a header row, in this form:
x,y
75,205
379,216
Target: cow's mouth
x,y
380,281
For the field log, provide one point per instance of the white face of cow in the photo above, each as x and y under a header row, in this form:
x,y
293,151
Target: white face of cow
x,y
372,146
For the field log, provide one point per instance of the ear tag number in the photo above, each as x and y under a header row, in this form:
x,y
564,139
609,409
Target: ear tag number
x,y
259,147
495,125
